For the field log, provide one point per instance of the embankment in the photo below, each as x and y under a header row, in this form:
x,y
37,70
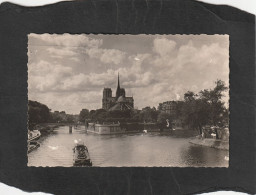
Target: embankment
x,y
47,127
212,143
129,127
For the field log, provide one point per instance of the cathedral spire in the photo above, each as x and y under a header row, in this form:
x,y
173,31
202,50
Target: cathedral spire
x,y
118,90
118,85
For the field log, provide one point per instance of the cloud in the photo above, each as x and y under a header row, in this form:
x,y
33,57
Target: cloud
x,y
139,62
139,80
61,51
44,76
192,65
187,67
90,81
70,71
69,102
163,46
106,56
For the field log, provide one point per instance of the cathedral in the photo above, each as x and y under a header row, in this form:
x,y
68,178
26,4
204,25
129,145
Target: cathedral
x,y
120,102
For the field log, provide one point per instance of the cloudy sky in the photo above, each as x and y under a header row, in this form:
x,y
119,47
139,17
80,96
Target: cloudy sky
x,y
68,72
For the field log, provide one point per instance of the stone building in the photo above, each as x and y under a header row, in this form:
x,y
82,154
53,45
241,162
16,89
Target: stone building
x,y
119,102
173,108
170,107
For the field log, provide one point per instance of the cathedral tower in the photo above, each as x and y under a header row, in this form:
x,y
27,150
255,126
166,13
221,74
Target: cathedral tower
x,y
118,89
120,102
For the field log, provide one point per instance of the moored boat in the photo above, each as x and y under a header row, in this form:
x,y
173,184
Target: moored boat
x,y
33,135
33,145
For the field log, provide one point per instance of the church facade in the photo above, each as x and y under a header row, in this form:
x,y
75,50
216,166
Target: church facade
x,y
119,102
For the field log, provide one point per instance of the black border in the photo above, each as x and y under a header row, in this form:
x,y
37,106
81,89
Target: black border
x,y
126,17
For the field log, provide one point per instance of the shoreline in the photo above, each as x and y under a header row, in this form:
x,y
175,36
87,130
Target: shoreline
x,y
211,143
47,128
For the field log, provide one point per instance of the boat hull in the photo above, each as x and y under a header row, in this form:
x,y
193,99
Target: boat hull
x,y
81,156
33,135
32,146
87,163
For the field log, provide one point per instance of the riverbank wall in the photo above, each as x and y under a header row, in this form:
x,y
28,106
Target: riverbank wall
x,y
47,127
181,133
210,142
139,127
116,128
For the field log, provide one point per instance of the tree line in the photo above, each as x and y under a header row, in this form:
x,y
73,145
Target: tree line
x,y
195,111
39,113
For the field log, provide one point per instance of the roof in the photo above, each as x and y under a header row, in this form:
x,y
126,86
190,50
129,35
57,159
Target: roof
x,y
121,99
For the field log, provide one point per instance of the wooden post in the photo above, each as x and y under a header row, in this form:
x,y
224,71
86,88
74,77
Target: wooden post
x,y
70,128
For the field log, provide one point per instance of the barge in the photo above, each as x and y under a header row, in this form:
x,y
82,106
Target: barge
x,y
81,155
32,146
32,137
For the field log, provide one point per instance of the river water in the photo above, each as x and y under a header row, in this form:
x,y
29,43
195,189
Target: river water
x,y
151,149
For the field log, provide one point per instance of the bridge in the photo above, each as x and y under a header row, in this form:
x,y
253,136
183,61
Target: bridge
x,y
50,126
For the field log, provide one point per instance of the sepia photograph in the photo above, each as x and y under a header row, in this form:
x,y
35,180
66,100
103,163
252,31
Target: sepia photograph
x,y
128,100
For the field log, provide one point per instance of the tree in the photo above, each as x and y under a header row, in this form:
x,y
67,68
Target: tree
x,y
70,118
55,117
213,99
162,120
148,114
189,96
120,114
99,115
205,108
37,113
92,114
84,114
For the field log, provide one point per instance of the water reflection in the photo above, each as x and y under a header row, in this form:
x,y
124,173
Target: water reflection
x,y
204,156
151,149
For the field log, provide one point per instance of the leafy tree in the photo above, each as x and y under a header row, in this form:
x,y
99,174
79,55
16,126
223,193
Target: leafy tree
x,y
148,114
92,114
161,120
213,100
70,118
37,113
135,115
205,108
99,115
120,114
189,96
195,114
55,117
84,114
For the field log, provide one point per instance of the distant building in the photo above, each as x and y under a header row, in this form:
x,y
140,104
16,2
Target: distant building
x,y
119,102
170,107
173,108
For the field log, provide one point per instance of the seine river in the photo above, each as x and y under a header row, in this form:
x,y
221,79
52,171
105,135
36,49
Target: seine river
x,y
151,149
